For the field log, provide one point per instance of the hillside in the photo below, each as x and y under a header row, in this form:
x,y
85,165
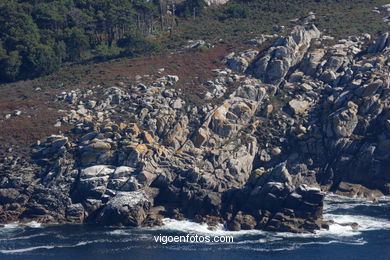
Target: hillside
x,y
39,37
250,124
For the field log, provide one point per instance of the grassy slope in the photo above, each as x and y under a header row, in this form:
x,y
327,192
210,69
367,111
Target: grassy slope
x,y
336,17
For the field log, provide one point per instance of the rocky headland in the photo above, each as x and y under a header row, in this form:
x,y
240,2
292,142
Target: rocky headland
x,y
307,115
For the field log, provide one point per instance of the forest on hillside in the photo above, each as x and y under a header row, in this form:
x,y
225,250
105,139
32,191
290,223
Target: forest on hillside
x,y
37,36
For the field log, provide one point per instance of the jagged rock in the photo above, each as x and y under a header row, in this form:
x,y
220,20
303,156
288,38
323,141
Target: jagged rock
x,y
178,135
126,209
240,163
241,221
298,106
276,151
230,117
52,145
115,95
311,61
357,190
148,138
135,154
272,193
380,44
200,137
134,129
98,151
92,182
328,76
123,180
241,61
75,213
296,77
173,78
372,88
272,66
344,121
8,195
264,156
258,41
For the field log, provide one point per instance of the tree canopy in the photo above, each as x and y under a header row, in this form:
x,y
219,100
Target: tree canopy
x,y
37,36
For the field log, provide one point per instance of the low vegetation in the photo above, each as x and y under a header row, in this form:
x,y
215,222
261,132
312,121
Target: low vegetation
x,y
38,36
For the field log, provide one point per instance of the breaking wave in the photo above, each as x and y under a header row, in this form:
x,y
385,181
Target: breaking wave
x,y
29,239
28,249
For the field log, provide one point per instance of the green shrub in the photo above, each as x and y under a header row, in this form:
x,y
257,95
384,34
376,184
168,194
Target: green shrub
x,y
40,61
10,66
237,11
136,44
76,43
105,52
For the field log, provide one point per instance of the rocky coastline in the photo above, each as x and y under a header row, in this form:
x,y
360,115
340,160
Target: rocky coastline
x,y
308,115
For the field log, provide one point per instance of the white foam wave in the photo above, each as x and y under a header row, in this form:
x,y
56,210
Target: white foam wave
x,y
334,202
295,246
11,226
259,241
355,242
29,249
332,205
117,232
260,249
365,222
228,247
15,225
23,250
332,197
342,228
22,237
188,226
34,224
336,230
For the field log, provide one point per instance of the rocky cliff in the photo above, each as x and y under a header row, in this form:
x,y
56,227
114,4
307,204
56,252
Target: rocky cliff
x,y
306,116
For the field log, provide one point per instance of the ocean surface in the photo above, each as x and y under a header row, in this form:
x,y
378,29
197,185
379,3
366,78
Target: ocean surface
x,y
370,241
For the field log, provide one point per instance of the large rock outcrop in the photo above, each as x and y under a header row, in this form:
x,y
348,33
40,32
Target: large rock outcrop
x,y
301,119
273,200
273,65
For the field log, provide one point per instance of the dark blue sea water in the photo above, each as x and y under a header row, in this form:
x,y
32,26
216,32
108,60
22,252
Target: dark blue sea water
x,y
370,241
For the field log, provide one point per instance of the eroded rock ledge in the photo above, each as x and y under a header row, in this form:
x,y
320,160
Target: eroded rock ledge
x,y
305,118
